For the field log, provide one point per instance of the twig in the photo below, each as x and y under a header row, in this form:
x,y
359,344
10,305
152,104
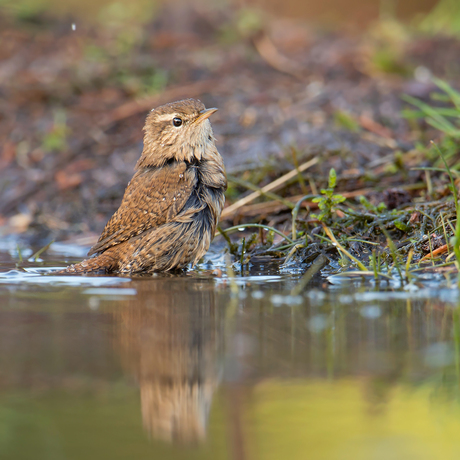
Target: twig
x,y
268,188
266,227
274,58
271,195
342,249
371,125
441,250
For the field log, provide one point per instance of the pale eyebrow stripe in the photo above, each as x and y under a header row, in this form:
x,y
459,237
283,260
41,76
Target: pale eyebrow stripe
x,y
166,117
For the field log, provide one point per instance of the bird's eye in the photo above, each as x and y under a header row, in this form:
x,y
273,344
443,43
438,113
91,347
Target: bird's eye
x,y
177,122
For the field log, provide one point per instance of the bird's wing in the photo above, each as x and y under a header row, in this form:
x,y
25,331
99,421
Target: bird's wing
x,y
152,198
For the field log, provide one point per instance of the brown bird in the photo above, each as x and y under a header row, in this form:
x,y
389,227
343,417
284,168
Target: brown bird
x,y
171,207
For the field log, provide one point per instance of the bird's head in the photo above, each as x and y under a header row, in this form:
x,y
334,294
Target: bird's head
x,y
178,131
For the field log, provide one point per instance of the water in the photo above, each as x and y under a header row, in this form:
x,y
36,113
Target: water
x,y
197,367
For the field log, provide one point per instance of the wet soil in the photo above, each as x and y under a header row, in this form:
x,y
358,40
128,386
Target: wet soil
x,y
74,101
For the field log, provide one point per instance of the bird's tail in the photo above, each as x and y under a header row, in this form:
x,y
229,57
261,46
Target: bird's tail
x,y
103,263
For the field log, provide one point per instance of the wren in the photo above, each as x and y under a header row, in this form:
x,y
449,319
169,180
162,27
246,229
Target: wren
x,y
171,207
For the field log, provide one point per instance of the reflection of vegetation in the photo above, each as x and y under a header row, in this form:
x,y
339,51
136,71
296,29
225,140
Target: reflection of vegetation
x,y
100,420
327,419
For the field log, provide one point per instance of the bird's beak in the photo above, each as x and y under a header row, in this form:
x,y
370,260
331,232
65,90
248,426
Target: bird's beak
x,y
204,114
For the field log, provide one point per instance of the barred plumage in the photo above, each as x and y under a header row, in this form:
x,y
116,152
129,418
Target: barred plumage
x,y
171,207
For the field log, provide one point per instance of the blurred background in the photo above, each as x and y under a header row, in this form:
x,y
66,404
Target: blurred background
x,y
194,367
78,77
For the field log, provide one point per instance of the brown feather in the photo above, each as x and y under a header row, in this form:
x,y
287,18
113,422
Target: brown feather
x,y
171,207
153,197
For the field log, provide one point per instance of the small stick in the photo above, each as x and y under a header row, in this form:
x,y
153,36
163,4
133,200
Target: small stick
x,y
257,189
408,262
441,250
275,59
268,188
444,229
266,227
342,249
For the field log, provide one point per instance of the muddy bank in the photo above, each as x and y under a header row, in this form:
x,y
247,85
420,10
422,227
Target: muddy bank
x,y
75,96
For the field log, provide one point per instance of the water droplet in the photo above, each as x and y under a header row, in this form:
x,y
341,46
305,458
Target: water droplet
x,y
181,176
74,26
145,212
162,145
164,199
174,199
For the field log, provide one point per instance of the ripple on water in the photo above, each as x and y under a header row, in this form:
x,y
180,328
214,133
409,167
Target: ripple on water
x,y
36,276
243,280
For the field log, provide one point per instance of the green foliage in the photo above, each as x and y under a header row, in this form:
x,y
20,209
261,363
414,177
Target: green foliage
x,y
56,139
455,240
232,192
443,19
387,60
25,12
246,23
328,201
142,83
270,237
249,21
122,15
445,119
379,209
35,257
387,40
399,224
346,121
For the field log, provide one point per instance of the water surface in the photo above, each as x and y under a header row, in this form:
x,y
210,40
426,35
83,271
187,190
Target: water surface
x,y
199,367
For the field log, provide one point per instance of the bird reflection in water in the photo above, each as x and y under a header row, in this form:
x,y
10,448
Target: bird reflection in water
x,y
170,340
